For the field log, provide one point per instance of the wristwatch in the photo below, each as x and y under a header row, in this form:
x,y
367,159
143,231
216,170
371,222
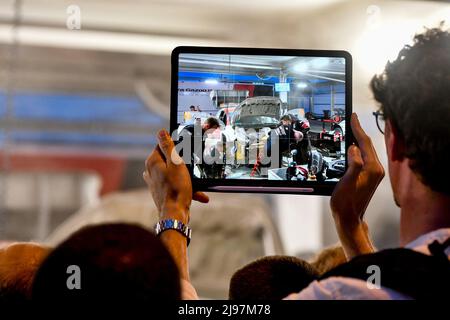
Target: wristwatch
x,y
172,224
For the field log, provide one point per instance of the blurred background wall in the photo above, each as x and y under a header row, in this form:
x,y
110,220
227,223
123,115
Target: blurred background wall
x,y
85,85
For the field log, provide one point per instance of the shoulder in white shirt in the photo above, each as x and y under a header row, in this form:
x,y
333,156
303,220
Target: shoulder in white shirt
x,y
340,288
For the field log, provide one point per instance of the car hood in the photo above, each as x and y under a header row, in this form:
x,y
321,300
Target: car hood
x,y
258,113
268,108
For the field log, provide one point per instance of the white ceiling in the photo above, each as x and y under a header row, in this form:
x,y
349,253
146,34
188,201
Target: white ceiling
x,y
124,40
154,26
157,26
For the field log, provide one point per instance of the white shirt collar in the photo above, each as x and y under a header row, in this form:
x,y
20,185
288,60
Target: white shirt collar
x,y
422,242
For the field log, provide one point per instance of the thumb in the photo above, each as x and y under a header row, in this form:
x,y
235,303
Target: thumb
x,y
348,182
355,163
146,177
200,197
166,145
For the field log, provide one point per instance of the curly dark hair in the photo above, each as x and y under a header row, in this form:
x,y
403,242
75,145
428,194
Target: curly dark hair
x,y
271,278
414,94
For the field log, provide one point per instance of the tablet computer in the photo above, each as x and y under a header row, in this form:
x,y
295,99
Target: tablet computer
x,y
262,120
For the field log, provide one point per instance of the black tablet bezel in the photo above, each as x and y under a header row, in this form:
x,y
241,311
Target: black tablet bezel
x,y
264,186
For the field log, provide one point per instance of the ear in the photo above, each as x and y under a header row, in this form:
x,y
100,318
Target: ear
x,y
395,145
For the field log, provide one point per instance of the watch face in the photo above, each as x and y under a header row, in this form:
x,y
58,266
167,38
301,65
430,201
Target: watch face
x,y
174,225
168,224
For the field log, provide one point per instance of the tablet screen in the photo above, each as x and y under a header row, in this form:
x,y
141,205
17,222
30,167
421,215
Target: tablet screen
x,y
262,117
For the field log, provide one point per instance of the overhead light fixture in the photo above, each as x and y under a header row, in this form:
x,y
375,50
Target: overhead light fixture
x,y
320,62
377,46
211,81
301,67
228,64
302,85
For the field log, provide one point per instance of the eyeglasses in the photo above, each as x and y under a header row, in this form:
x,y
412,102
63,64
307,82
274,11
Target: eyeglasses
x,y
379,119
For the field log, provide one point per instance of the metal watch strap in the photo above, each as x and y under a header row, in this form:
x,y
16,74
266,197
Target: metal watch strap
x,y
172,224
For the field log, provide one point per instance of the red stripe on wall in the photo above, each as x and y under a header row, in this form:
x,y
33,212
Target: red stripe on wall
x,y
110,169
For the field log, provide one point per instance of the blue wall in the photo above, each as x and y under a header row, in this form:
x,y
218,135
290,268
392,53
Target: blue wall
x,y
82,108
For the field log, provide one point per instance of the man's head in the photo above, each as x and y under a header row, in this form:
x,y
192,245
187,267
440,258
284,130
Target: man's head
x,y
271,278
192,108
113,263
18,265
286,120
211,123
414,94
328,258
